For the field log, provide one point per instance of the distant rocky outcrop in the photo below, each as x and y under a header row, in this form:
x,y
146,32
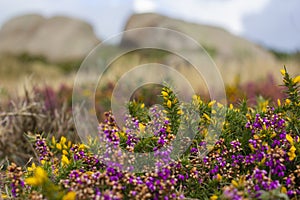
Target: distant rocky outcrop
x,y
234,56
57,39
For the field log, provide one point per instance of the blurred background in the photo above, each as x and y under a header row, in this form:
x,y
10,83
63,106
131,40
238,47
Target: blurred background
x,y
44,42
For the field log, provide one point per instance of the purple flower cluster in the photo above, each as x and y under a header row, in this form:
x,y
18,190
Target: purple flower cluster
x,y
110,129
162,182
271,121
266,165
269,142
90,161
17,183
86,185
260,181
42,149
132,132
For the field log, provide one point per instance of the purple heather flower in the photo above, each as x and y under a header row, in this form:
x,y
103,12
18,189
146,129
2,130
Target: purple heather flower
x,y
256,188
258,174
288,181
194,150
290,193
150,185
214,170
235,143
133,193
181,177
274,185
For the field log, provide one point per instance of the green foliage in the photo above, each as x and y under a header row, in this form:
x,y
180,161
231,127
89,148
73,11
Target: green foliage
x,y
172,108
138,110
238,152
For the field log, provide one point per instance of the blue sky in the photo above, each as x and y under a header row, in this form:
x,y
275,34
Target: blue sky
x,y
273,23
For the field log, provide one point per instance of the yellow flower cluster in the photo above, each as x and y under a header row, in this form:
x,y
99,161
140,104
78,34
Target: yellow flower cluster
x,y
291,153
62,145
262,105
32,168
239,183
165,95
39,178
65,160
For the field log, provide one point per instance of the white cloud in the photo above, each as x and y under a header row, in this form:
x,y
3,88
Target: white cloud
x,y
224,13
142,6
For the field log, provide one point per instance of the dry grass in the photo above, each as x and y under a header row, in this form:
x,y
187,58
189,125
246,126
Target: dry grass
x,y
28,115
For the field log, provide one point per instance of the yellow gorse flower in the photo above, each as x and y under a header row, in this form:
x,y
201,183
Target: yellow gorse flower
x,y
273,135
32,168
278,102
289,138
89,173
53,140
65,152
291,153
264,127
39,178
179,112
263,105
219,177
65,160
58,146
164,94
62,144
293,149
283,72
263,161
287,102
63,140
283,190
234,183
41,173
206,116
251,147
70,196
210,104
142,127
69,144
169,104
296,80
214,197
81,147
